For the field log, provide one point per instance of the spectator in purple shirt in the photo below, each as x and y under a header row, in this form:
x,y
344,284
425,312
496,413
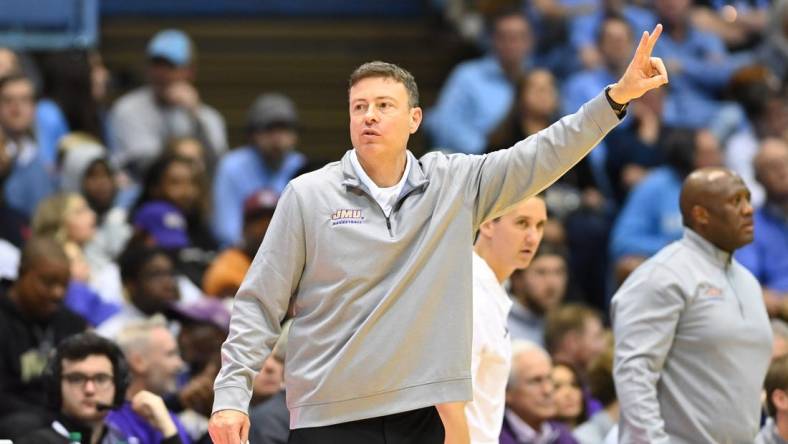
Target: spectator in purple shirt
x,y
154,364
530,400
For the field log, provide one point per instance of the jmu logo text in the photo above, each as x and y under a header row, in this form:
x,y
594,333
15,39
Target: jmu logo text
x,y
347,216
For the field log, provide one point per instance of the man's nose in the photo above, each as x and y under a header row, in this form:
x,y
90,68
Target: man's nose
x,y
370,114
90,386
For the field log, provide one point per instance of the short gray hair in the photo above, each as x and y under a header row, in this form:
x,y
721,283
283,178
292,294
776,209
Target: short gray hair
x,y
135,336
388,71
521,347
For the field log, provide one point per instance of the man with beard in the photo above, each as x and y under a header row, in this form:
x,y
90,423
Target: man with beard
x,y
537,290
154,363
269,160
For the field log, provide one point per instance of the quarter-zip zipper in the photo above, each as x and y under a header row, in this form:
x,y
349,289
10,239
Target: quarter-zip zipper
x,y
396,206
369,196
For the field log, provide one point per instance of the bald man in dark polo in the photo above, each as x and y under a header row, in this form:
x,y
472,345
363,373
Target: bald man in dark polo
x,y
693,340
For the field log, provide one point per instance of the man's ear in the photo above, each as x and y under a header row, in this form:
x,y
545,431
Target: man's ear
x,y
780,400
416,114
137,362
486,229
700,214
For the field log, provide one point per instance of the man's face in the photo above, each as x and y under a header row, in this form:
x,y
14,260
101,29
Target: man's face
x,y
163,362
512,40
42,287
381,119
616,44
275,142
707,150
730,224
84,384
531,397
155,288
543,283
162,75
17,105
515,236
771,166
591,341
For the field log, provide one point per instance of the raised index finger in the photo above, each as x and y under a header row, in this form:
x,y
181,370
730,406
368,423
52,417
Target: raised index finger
x,y
640,51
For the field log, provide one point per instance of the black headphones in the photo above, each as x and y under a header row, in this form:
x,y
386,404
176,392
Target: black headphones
x,y
92,344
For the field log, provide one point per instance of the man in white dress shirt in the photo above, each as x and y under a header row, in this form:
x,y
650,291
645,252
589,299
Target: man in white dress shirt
x,y
504,244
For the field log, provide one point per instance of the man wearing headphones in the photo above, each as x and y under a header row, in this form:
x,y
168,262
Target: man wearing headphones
x,y
87,377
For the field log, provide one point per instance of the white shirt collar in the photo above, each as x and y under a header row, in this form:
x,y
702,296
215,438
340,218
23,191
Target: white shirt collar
x,y
490,280
385,197
365,179
526,433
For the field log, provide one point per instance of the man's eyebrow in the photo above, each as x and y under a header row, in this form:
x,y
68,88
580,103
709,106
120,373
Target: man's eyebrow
x,y
375,98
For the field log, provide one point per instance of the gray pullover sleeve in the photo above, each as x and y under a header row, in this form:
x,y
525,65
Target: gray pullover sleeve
x,y
645,313
503,178
261,304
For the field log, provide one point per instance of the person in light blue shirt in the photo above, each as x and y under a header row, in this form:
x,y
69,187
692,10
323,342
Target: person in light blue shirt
x,y
767,256
651,218
616,43
584,31
269,161
479,92
28,182
699,65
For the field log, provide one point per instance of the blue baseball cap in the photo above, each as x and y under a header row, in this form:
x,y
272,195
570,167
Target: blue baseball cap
x,y
171,45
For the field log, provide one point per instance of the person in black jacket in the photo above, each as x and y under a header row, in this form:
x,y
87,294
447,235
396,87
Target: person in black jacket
x,y
86,377
33,320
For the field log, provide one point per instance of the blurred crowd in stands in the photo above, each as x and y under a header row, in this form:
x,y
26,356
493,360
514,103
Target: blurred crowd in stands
x,y
135,220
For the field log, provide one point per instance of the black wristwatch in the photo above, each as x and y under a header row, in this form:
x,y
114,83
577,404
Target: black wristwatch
x,y
617,107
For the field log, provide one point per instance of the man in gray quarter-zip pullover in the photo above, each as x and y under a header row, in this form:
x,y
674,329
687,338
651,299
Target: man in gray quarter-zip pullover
x,y
693,340
374,251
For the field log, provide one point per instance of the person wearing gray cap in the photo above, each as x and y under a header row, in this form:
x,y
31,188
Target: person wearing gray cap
x,y
169,106
268,161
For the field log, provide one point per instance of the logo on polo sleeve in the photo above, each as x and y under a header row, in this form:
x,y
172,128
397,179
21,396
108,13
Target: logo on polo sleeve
x,y
347,216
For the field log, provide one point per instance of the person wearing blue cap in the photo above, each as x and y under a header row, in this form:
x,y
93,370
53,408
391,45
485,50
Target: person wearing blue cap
x,y
169,106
